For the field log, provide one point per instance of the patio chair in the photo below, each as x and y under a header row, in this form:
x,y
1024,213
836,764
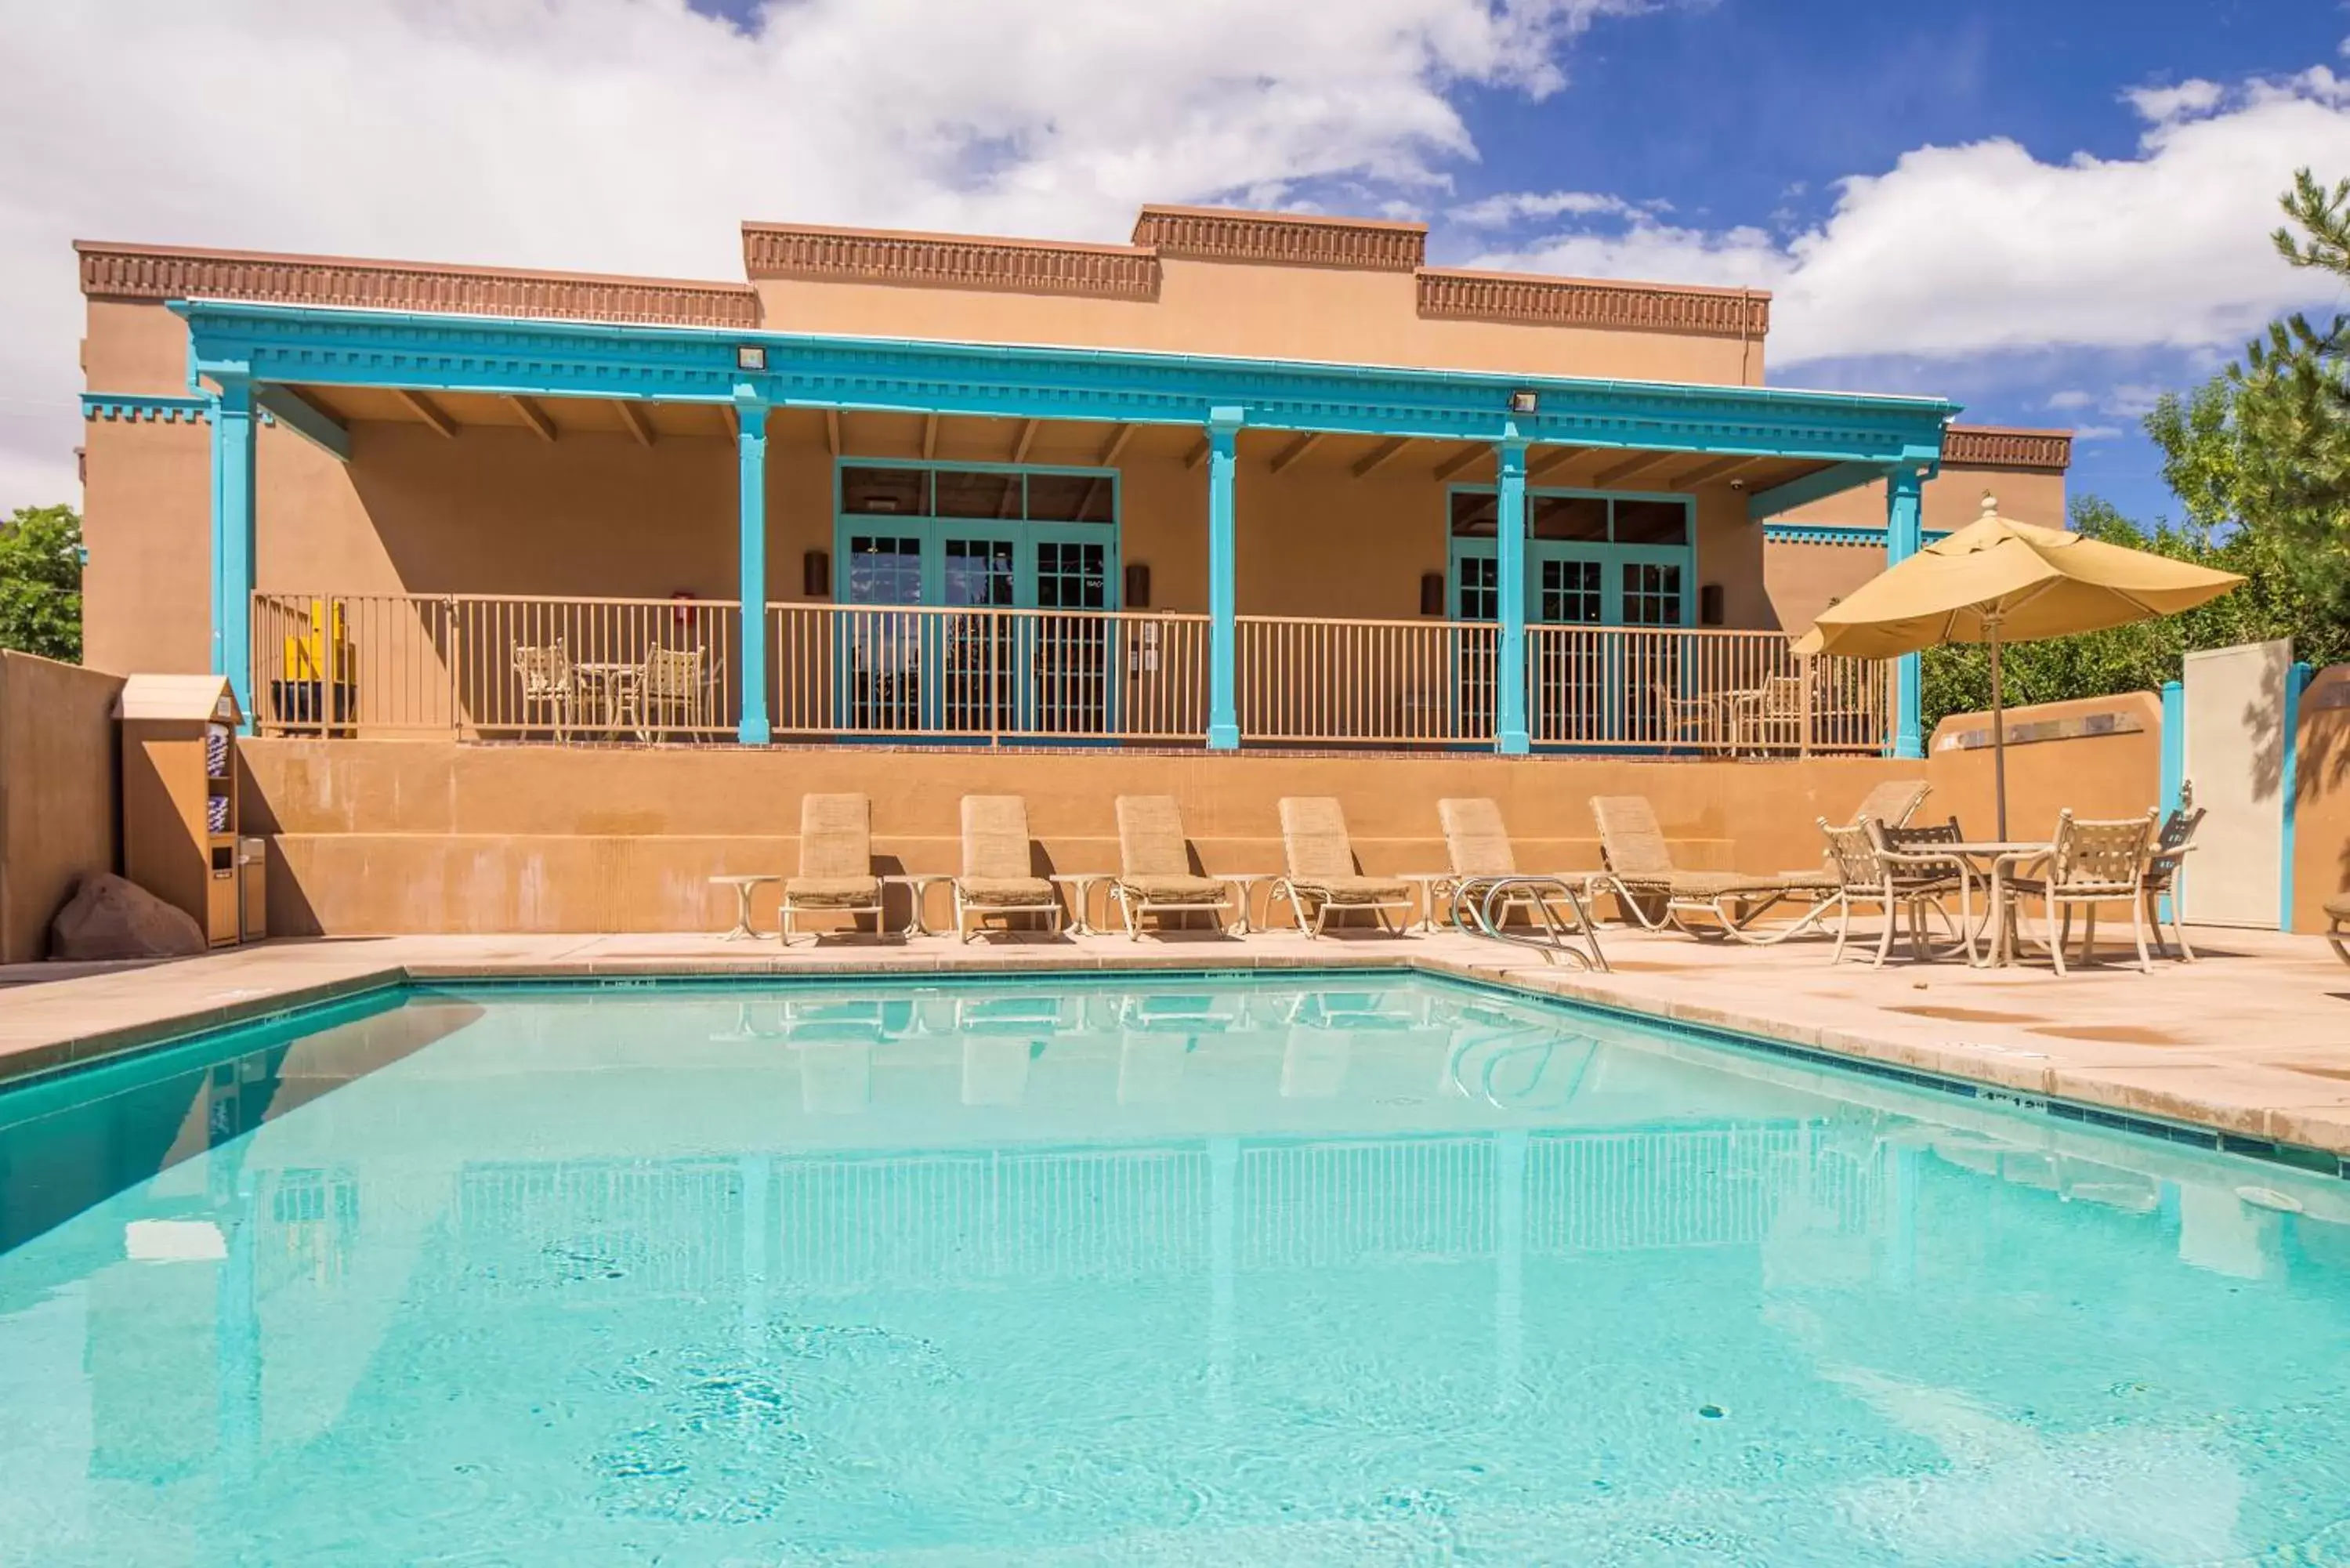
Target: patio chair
x,y
1478,842
671,686
548,680
1687,719
1900,882
1771,715
1641,873
2337,926
835,862
2171,849
1155,875
2091,863
995,877
1321,875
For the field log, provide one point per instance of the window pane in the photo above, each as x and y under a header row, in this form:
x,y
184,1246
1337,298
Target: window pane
x,y
1570,593
1479,597
1570,517
883,570
1652,595
1472,514
1652,522
965,492
1069,498
1071,577
902,491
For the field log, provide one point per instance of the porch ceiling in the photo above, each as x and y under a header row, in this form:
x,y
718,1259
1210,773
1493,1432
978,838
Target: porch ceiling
x,y
963,438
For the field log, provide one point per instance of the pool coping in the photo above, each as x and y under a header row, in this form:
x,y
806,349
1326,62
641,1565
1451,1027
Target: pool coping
x,y
2307,1138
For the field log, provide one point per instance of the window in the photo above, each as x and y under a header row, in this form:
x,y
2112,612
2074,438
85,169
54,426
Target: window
x,y
977,492
902,491
1651,521
1069,498
1473,512
1569,517
1570,593
1652,593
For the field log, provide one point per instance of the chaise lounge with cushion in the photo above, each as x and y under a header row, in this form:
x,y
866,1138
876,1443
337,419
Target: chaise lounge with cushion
x,y
996,880
1155,875
1321,875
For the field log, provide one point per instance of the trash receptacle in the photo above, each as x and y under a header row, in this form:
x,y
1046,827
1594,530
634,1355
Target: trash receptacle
x,y
252,888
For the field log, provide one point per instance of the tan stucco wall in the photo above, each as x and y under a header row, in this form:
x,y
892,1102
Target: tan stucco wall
x,y
391,836
2098,776
1283,311
2321,866
58,790
1951,500
1801,580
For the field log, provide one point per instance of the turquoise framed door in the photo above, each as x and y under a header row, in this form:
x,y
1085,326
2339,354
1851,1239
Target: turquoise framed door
x,y
979,536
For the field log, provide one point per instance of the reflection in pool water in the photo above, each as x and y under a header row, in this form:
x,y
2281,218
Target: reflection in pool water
x,y
1083,1272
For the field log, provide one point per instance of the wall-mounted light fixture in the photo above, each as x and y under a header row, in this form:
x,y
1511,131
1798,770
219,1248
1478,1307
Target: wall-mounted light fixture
x,y
1137,584
750,356
1708,605
1432,593
815,575
1524,403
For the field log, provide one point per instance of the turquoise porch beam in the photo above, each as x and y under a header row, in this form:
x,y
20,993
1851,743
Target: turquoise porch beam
x,y
306,419
424,352
1904,530
753,728
1224,636
232,538
1510,733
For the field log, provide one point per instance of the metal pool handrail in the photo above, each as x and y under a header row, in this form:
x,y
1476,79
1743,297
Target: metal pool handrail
x,y
1473,907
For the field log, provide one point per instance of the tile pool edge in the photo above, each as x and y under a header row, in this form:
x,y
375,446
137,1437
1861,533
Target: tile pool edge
x,y
2304,1138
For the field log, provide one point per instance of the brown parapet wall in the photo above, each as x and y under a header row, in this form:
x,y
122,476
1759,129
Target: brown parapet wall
x,y
1455,294
58,784
1221,233
1997,446
947,260
160,273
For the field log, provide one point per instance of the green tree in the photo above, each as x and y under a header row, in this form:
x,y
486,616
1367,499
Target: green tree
x,y
40,582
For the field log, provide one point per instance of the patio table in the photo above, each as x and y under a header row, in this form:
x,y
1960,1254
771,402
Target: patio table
x,y
743,888
2001,855
1244,884
1083,883
609,689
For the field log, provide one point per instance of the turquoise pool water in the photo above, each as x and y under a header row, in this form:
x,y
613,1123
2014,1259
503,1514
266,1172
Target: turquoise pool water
x,y
1162,1271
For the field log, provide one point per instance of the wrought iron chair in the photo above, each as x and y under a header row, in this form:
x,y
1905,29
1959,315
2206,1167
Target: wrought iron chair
x,y
2092,863
1769,716
672,692
548,680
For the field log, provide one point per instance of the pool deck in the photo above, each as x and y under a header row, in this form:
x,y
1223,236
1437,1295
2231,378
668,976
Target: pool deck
x,y
2253,1041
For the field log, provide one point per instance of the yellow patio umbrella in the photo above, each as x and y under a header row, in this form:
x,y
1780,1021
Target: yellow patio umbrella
x,y
1997,580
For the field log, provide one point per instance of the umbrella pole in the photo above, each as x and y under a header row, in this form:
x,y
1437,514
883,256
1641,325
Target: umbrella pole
x,y
1998,737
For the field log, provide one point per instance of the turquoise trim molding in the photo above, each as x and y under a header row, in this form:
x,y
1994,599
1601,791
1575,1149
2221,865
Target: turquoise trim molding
x,y
1223,598
1832,534
1510,736
752,728
135,408
2296,683
322,346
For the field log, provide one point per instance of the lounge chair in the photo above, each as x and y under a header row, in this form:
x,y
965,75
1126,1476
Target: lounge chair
x,y
1321,875
2170,850
1478,843
1155,875
835,862
2092,863
1893,802
2337,927
995,877
1641,873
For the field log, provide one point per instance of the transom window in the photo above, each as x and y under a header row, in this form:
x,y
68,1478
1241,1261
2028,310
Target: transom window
x,y
1010,496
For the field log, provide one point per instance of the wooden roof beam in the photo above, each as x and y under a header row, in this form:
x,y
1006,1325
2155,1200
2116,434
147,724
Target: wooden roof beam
x,y
1027,436
1638,462
1198,454
930,436
832,447
1372,461
431,412
633,415
1118,437
1551,462
532,415
1461,458
1295,450
1718,468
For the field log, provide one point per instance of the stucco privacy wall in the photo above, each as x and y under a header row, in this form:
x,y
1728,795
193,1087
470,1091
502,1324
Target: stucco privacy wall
x,y
58,817
384,837
2320,868
2097,776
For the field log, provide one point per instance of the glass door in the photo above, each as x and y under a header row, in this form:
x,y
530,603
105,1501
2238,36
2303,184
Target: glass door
x,y
979,684
1072,694
878,654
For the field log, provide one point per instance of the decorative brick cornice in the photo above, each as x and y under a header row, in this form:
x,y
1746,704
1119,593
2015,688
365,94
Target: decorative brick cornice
x,y
155,272
1995,446
1222,234
1459,295
948,261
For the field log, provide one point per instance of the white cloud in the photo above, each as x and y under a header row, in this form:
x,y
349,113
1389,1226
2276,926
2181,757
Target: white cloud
x,y
1959,251
632,135
2191,98
2097,432
1508,207
2071,398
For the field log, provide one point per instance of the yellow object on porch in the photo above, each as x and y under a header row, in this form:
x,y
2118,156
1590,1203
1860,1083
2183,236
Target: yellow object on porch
x,y
308,652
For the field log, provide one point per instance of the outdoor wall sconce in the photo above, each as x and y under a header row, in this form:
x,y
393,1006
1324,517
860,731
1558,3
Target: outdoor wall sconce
x,y
1137,584
815,575
1708,605
750,356
1524,402
1432,593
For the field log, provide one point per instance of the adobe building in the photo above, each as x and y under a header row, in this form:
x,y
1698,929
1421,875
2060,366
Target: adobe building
x,y
1250,480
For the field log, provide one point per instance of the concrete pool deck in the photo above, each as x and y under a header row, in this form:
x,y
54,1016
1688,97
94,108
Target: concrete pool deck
x,y
2253,1041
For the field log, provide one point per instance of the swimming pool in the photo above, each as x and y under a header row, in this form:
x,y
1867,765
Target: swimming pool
x,y
1166,1269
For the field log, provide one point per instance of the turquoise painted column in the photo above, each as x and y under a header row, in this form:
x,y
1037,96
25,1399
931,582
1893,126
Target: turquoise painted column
x,y
233,537
751,441
2296,681
1224,636
1904,533
1510,733
2174,759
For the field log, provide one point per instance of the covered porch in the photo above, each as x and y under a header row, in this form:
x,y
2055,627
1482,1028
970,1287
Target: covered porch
x,y
958,543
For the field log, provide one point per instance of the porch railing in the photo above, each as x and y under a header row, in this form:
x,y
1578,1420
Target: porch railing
x,y
995,674
492,667
489,667
1683,689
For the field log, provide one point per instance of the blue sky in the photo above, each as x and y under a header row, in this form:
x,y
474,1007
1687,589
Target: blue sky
x,y
2050,211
